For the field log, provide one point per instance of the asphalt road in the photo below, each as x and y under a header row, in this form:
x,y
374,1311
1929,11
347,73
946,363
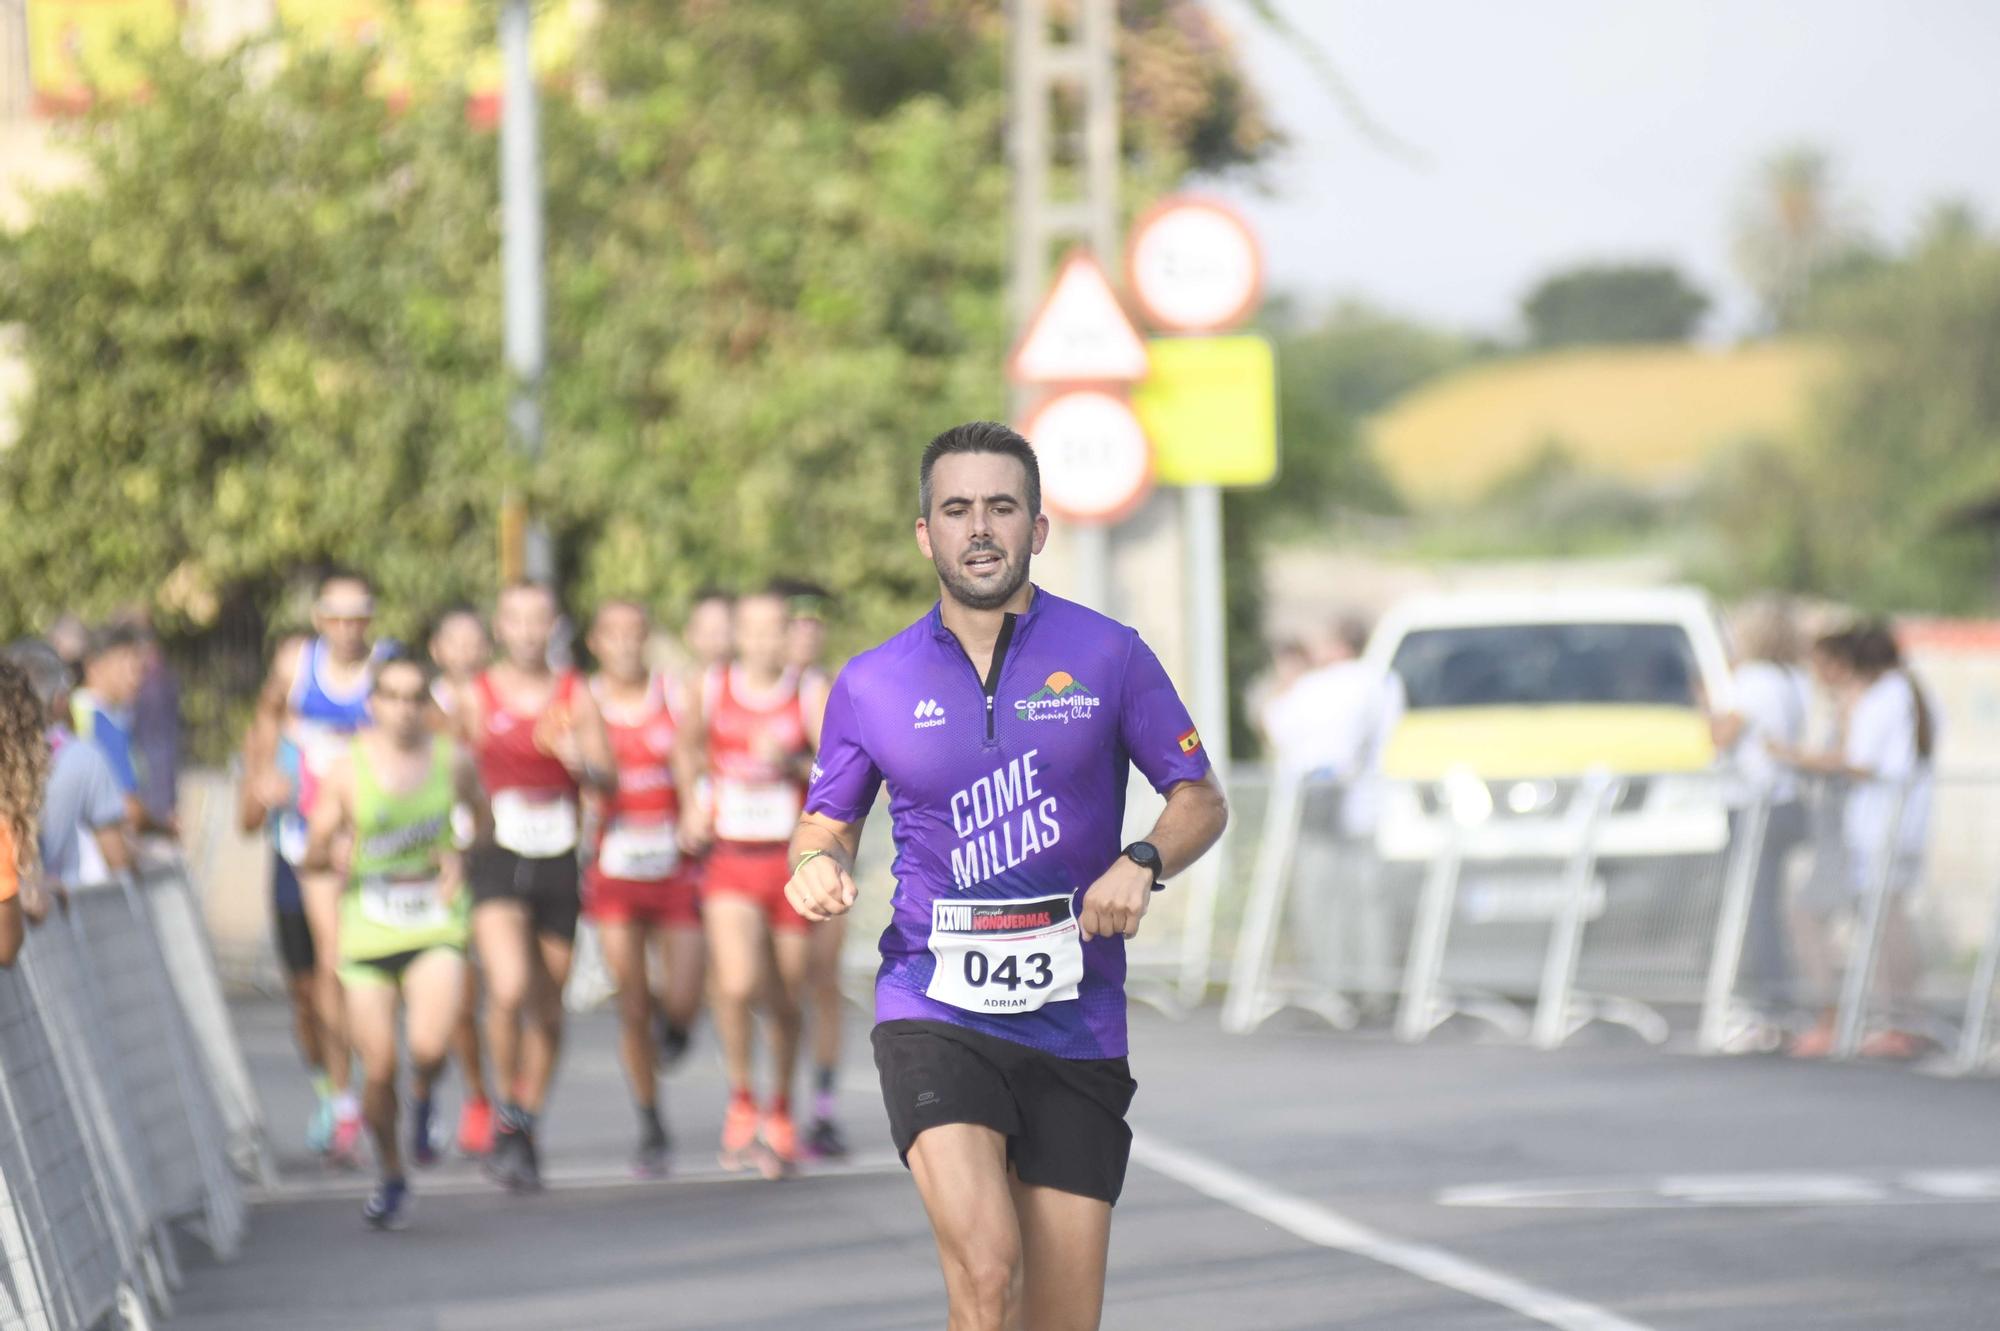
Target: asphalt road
x,y
1291,1179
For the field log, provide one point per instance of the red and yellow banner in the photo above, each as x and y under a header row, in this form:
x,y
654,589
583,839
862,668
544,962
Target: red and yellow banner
x,y
77,49
426,43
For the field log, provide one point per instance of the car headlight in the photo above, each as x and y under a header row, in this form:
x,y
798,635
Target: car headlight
x,y
1673,794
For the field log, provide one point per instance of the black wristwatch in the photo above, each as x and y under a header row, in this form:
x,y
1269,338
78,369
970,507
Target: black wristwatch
x,y
1143,854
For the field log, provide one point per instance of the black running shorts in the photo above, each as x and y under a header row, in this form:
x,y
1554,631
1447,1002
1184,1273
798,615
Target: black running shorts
x,y
550,888
1063,1118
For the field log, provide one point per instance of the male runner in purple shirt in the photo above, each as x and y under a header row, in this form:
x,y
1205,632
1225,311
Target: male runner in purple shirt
x,y
1003,722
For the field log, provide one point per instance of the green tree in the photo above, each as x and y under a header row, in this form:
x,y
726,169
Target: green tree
x,y
266,334
1792,230
1889,500
1617,303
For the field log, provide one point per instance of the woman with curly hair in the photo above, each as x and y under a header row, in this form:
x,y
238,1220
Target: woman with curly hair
x,y
24,765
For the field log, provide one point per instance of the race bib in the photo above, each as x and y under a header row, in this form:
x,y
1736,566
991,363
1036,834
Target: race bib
x,y
1005,956
536,826
319,745
756,810
404,903
292,838
639,852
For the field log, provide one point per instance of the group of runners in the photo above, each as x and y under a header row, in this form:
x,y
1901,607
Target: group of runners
x,y
491,806
439,825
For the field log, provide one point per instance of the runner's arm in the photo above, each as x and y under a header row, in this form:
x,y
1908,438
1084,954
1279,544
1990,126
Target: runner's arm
x,y
822,854
262,780
690,765
1192,822
465,784
593,744
329,816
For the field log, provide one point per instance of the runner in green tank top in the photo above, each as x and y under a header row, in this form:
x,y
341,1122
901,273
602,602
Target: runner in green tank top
x,y
404,916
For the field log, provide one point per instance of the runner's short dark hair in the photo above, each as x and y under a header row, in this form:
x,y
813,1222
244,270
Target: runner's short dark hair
x,y
114,635
399,655
341,573
980,437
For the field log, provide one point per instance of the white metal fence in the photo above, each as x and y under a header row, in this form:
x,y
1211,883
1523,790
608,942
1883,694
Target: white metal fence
x,y
123,1098
1651,902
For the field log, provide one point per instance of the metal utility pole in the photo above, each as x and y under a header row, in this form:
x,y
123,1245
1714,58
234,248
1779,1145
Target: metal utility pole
x,y
526,550
1038,67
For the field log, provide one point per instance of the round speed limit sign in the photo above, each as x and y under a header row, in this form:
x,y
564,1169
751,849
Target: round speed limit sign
x,y
1195,266
1096,462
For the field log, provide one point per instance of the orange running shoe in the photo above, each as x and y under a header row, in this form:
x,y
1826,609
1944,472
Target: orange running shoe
x,y
739,1135
475,1127
781,1144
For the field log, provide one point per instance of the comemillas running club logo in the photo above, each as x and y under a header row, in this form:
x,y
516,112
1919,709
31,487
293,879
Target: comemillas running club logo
x,y
1062,697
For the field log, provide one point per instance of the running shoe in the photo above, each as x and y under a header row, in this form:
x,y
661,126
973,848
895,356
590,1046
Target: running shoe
x,y
1815,1043
319,1128
739,1136
780,1137
513,1164
475,1127
389,1206
346,1149
1899,1045
649,1158
824,1141
423,1135
527,1164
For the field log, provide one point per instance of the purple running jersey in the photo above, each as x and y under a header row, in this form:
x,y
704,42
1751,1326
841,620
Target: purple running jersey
x,y
1007,796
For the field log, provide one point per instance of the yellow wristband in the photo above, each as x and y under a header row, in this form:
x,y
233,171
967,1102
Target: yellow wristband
x,y
804,859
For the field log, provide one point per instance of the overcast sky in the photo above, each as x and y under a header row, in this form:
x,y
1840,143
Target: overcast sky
x,y
1559,131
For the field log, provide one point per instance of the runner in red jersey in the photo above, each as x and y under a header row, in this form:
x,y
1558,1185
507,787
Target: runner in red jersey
x,y
460,649
805,649
753,730
639,890
537,736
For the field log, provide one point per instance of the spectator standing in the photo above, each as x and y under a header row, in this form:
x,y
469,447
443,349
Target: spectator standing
x,y
82,832
156,729
1772,700
24,765
1887,757
113,667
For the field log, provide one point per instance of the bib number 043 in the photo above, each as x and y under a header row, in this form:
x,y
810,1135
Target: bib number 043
x,y
1005,956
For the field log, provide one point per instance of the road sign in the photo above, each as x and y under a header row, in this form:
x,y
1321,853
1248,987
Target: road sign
x,y
1194,266
1081,335
1210,407
1096,462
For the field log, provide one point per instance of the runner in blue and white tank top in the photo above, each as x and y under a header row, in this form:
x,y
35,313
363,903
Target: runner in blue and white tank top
x,y
313,702
1004,722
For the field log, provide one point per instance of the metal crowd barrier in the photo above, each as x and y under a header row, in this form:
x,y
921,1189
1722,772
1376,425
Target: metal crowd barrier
x,y
1540,908
111,1139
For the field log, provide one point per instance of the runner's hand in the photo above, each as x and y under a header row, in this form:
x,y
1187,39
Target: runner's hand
x,y
272,789
1117,901
695,832
821,889
451,878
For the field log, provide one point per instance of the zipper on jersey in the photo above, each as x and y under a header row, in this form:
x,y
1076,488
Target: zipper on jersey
x,y
990,686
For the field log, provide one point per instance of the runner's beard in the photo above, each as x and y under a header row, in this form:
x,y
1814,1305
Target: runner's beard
x,y
988,596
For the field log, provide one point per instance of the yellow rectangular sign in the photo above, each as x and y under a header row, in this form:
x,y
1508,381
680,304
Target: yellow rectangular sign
x,y
76,48
1210,407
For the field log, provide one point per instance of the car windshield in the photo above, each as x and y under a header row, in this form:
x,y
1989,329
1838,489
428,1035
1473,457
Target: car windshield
x,y
1516,665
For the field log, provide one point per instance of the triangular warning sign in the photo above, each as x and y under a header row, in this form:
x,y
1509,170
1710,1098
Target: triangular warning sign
x,y
1081,335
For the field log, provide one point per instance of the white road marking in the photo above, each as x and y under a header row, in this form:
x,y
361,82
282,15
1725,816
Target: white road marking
x,y
1694,1191
462,1180
1329,1229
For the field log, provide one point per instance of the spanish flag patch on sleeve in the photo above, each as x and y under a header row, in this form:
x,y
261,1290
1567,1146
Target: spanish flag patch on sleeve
x,y
1190,742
